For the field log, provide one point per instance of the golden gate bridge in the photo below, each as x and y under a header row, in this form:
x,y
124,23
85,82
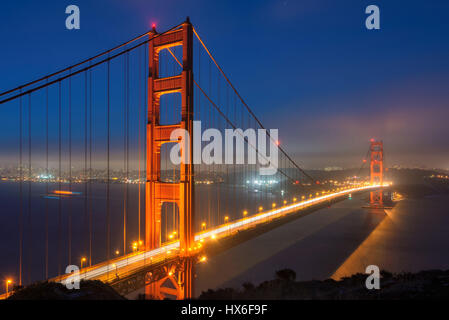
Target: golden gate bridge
x,y
89,150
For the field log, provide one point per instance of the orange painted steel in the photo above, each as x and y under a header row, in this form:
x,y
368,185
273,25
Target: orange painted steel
x,y
376,172
158,192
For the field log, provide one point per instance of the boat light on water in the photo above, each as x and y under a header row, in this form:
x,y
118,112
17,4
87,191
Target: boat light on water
x,y
65,192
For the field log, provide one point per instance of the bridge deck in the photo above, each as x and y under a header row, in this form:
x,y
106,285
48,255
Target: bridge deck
x,y
126,264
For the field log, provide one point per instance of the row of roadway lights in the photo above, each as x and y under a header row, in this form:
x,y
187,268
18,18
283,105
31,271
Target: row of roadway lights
x,y
135,247
245,213
137,244
172,235
83,260
273,205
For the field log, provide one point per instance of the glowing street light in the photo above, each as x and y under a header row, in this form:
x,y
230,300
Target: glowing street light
x,y
285,202
260,208
245,213
203,226
135,246
115,266
203,259
83,259
8,282
117,252
294,199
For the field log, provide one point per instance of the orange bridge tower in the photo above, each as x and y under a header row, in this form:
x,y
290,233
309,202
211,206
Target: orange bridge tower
x,y
376,172
158,192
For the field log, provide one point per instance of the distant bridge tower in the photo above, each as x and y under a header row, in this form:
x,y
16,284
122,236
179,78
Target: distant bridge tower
x,y
376,170
158,192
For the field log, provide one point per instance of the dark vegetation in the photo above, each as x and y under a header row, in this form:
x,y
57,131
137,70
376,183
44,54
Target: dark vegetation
x,y
431,284
89,290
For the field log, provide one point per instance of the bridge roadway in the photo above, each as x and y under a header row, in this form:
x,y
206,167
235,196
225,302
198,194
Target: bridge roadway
x,y
123,266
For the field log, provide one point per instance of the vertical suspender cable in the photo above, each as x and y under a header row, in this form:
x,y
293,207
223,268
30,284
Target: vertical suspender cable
x,y
145,99
138,142
127,138
46,185
175,226
20,193
108,218
86,225
127,143
30,234
199,208
209,167
90,168
59,183
124,149
218,167
70,172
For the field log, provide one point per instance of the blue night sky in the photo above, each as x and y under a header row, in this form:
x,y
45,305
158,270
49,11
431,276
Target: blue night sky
x,y
309,68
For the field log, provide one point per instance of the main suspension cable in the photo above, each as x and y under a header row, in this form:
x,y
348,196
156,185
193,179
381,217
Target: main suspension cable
x,y
246,105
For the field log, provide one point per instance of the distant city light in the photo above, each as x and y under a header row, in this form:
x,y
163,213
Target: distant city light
x,y
45,176
262,182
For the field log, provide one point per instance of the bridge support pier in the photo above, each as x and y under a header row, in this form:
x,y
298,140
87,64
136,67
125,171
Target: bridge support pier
x,y
176,283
